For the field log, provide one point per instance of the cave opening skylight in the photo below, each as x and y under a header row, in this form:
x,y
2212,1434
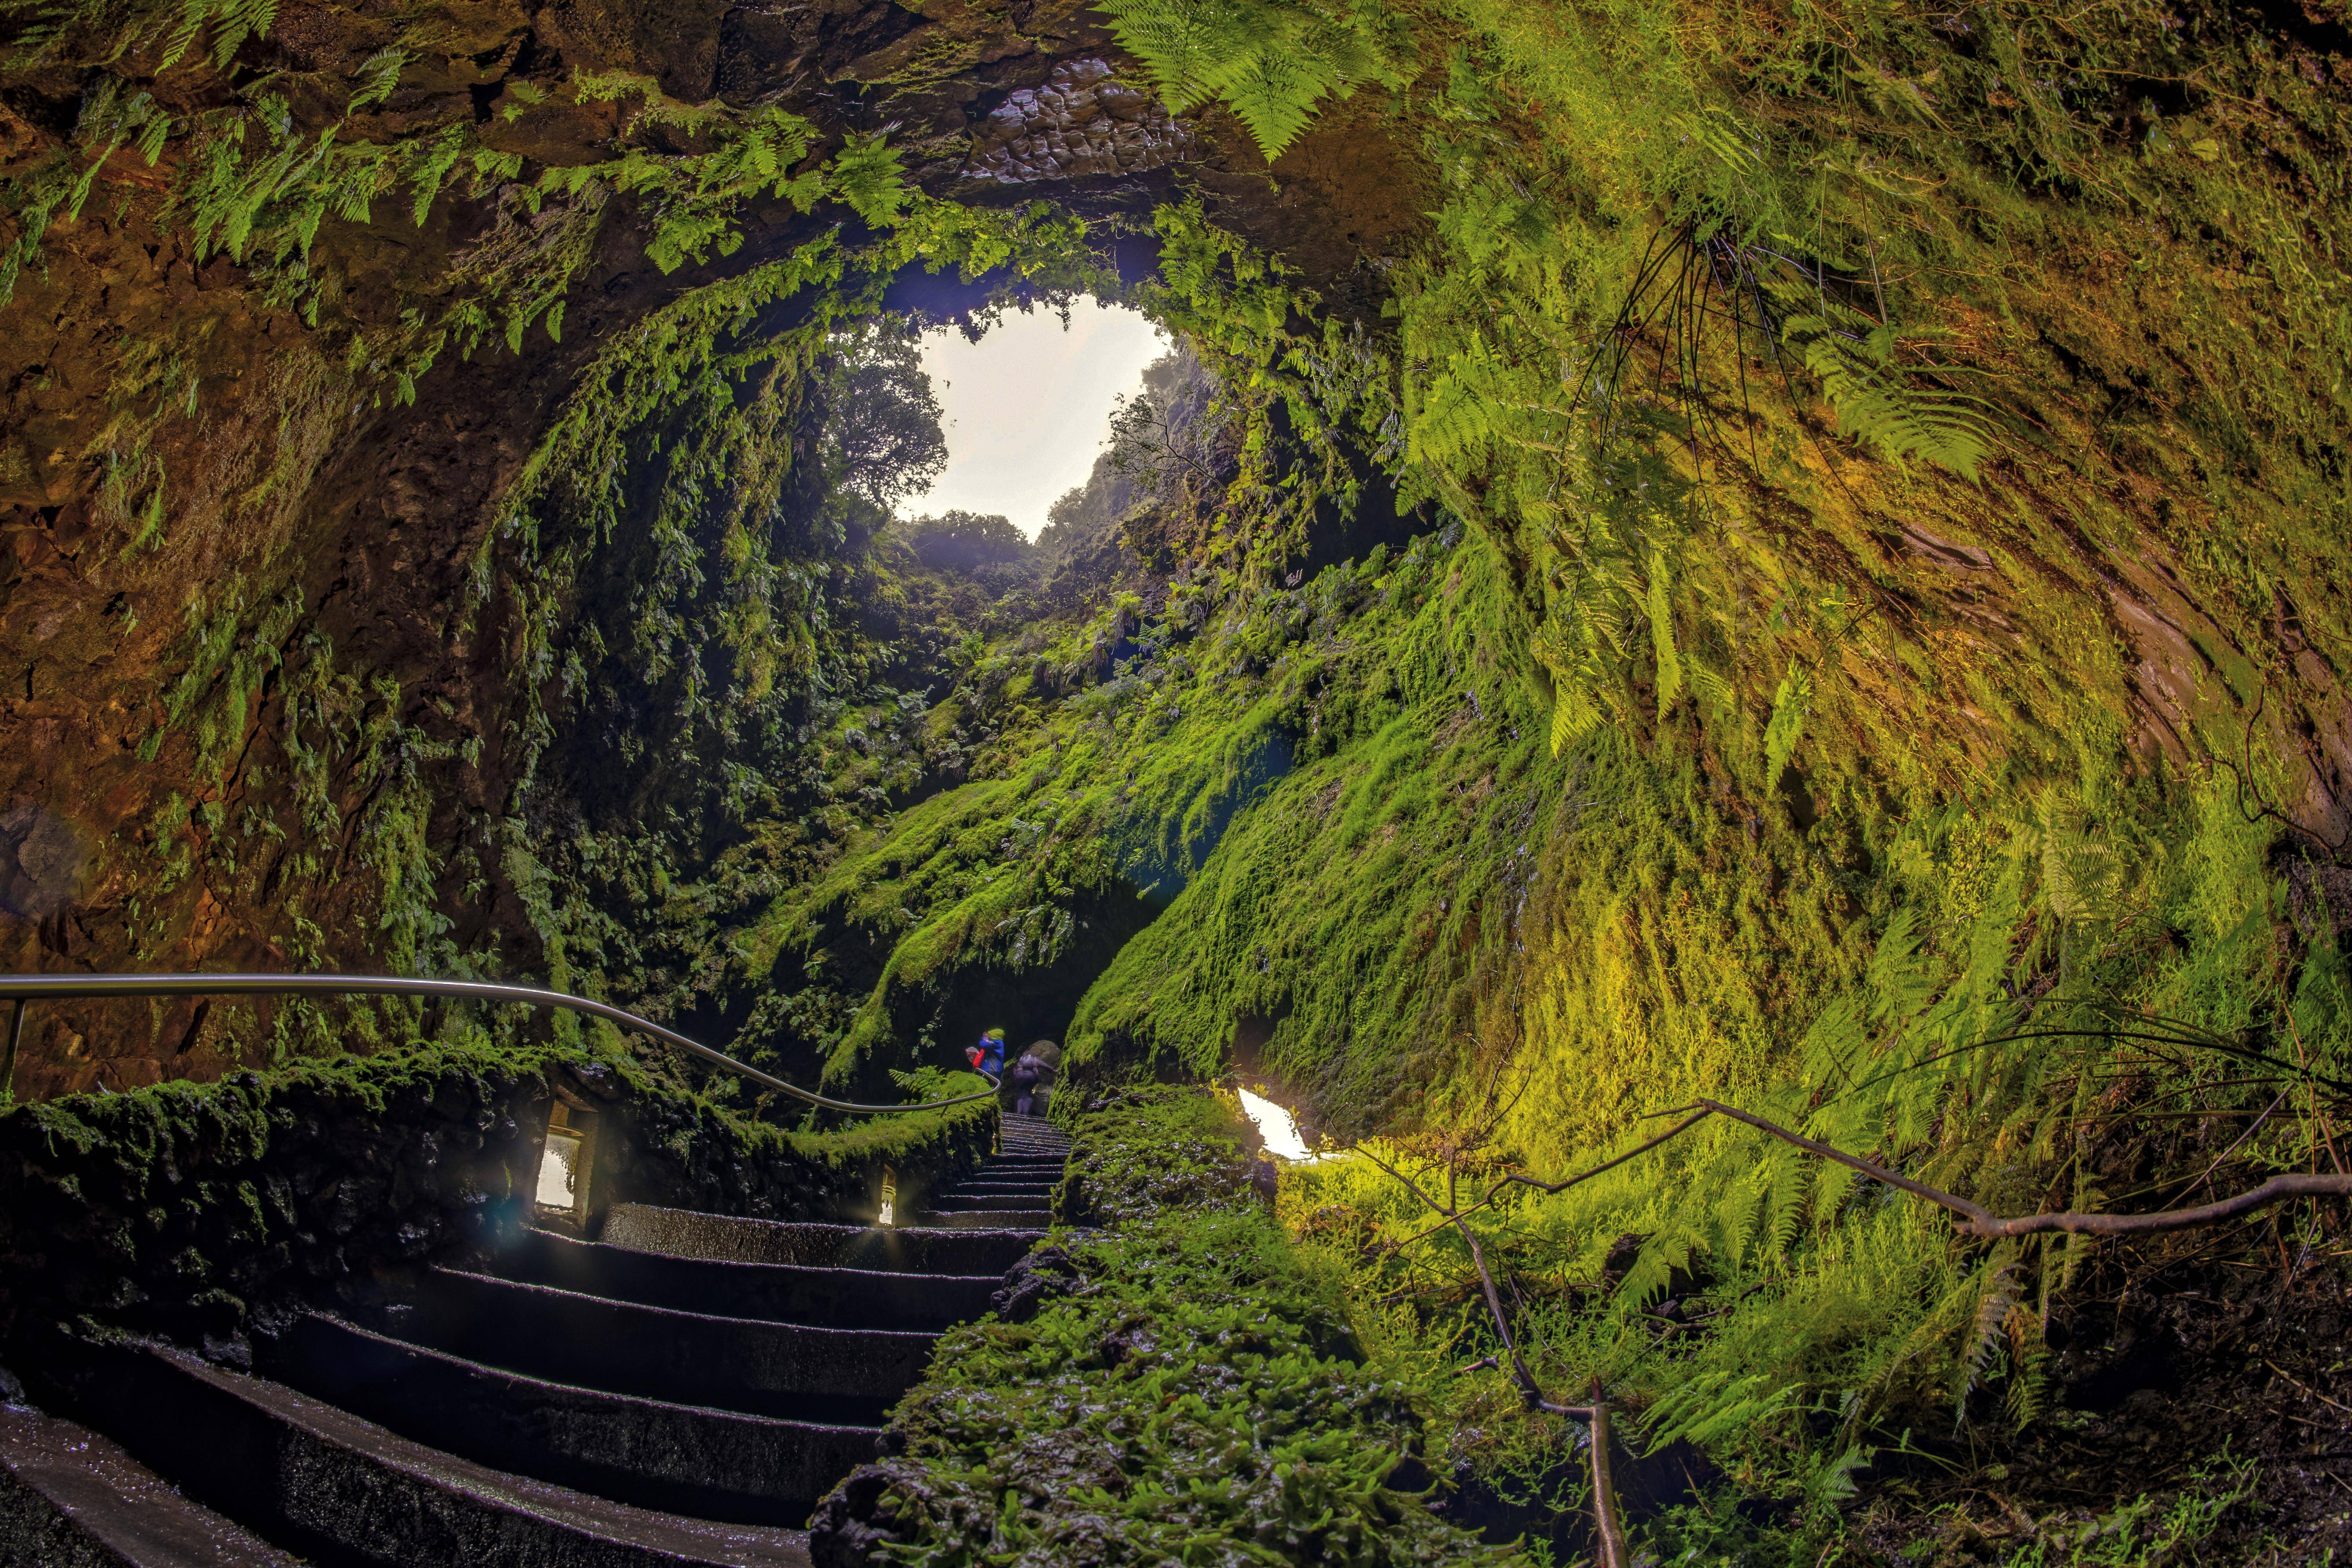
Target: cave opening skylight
x,y
1027,407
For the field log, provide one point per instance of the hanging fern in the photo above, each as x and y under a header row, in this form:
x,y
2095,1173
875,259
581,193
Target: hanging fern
x,y
1271,61
1879,406
1786,723
1662,631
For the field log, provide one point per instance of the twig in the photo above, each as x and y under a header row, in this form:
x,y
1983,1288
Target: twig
x,y
2233,1148
2306,1387
1607,1523
1977,1220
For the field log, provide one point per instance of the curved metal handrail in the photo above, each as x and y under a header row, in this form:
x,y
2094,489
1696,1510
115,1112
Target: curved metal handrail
x,y
25,989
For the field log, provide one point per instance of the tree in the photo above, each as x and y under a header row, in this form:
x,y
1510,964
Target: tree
x,y
966,541
882,436
1166,439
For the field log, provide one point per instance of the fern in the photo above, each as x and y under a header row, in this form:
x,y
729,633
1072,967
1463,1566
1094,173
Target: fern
x,y
1879,406
1714,1403
1786,724
1662,632
377,75
1996,1297
1271,61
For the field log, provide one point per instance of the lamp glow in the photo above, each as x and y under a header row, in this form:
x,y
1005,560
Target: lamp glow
x,y
1276,1126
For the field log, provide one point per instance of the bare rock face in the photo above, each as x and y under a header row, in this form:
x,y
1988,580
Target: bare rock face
x,y
1083,120
43,858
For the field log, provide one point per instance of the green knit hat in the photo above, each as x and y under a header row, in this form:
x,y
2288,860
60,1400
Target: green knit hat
x,y
997,1035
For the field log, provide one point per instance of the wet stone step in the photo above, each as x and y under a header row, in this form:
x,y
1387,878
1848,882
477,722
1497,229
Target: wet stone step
x,y
678,1458
782,1292
341,1490
1025,1225
957,1203
683,1233
798,1372
70,1499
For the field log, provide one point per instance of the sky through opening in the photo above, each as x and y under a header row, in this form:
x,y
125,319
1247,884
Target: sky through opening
x,y
1028,406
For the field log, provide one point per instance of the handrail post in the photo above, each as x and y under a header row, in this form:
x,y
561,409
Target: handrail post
x,y
8,1063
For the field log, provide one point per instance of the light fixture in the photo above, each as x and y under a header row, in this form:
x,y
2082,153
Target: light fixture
x,y
890,1214
1277,1128
563,1190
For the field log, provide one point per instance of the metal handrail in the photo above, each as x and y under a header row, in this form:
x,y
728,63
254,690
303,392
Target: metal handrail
x,y
25,989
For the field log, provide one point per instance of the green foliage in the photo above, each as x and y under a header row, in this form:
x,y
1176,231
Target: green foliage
x,y
1782,1314
2150,1530
1876,407
1139,1152
1193,1396
1787,722
963,541
1271,61
55,184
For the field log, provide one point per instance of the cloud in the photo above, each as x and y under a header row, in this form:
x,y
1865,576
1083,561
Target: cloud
x,y
1028,406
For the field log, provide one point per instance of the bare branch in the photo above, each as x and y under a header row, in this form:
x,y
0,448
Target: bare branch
x,y
1974,1213
2278,1189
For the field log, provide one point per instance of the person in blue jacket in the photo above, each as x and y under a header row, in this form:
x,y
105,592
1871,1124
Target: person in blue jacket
x,y
988,1055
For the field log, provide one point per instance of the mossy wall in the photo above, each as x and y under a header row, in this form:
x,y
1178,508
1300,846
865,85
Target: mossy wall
x,y
187,1208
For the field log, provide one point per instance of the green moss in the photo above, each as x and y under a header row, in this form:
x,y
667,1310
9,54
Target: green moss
x,y
1188,1391
181,1207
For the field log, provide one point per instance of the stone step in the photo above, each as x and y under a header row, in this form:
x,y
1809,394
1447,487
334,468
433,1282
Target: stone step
x,y
956,1203
1025,1225
796,1371
338,1489
908,1250
781,1292
655,1454
70,1499
1009,1184
968,1197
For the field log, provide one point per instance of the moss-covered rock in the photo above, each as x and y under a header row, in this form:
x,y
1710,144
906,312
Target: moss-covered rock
x,y
185,1207
1188,1390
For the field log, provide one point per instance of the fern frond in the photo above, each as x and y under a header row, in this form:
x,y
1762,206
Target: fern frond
x,y
1879,406
377,76
1996,1296
1709,688
2028,1394
1786,1198
1714,1404
1786,724
1271,61
1662,632
1652,1267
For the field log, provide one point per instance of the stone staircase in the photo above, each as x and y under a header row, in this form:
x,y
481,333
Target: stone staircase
x,y
680,1390
1017,1188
